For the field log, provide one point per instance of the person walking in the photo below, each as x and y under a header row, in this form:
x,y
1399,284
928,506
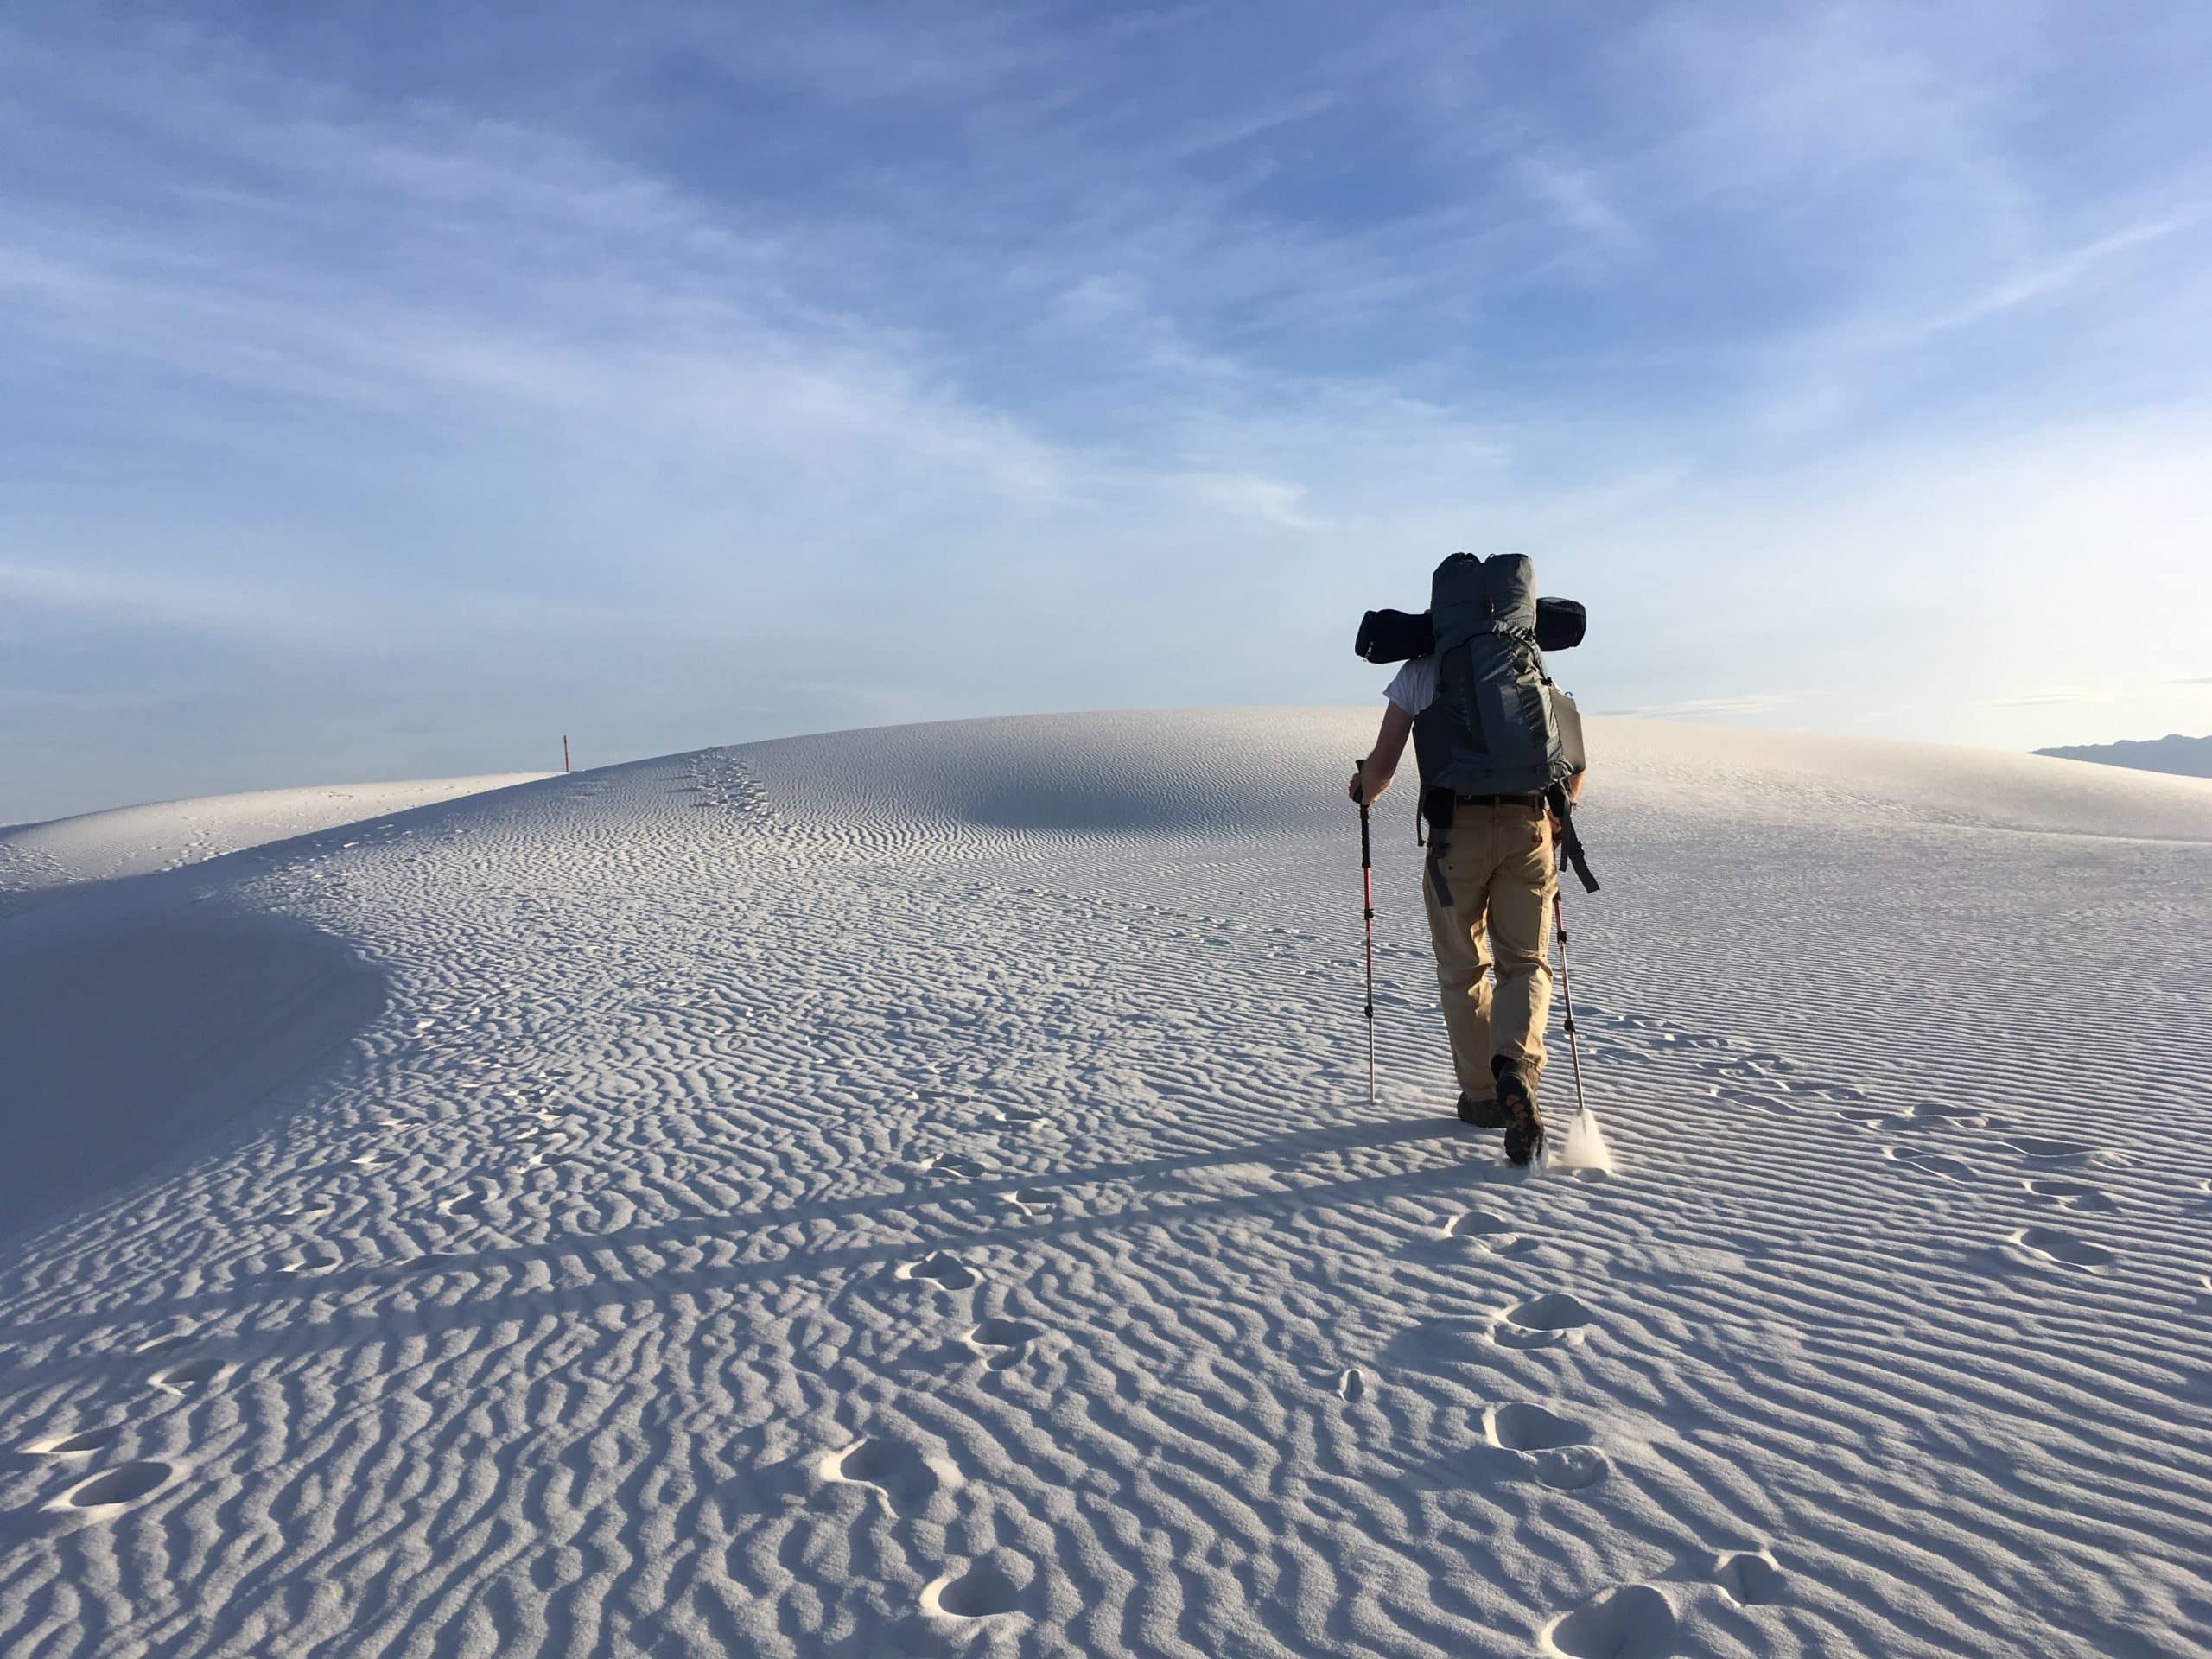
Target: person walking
x,y
1493,866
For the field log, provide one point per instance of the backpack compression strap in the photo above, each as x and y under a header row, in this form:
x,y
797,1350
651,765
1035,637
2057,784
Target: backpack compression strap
x,y
1570,844
1437,803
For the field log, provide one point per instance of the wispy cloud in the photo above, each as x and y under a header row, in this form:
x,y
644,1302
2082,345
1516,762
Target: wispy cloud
x,y
2061,696
711,339
1836,368
1576,196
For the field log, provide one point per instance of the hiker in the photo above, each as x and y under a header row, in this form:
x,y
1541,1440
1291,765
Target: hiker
x,y
1493,866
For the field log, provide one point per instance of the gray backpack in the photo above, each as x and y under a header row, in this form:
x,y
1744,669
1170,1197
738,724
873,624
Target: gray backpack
x,y
1497,725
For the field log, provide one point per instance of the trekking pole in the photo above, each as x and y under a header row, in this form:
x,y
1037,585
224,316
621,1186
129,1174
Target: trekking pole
x,y
1367,884
1566,994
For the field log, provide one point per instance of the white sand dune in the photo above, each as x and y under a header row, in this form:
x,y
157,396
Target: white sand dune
x,y
913,1192
36,858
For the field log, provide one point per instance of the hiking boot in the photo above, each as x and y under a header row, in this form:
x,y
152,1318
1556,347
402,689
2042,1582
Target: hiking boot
x,y
1482,1114
1524,1124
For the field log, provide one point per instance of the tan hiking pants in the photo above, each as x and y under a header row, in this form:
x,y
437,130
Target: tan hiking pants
x,y
1500,870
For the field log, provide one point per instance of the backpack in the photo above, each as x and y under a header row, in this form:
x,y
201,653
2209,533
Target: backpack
x,y
1497,725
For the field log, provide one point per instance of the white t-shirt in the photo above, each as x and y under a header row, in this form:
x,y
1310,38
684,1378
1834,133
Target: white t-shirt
x,y
1413,688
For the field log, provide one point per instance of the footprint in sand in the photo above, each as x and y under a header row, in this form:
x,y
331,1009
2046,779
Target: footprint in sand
x,y
1352,1385
1002,1342
1556,1449
1032,1202
1489,1233
2053,1246
955,1164
82,1444
1881,1122
1943,1114
2070,1195
2043,1150
991,1588
1744,1073
947,1272
906,1476
113,1490
1750,1576
1931,1163
311,1262
1634,1622
1554,1319
1777,1104
186,1377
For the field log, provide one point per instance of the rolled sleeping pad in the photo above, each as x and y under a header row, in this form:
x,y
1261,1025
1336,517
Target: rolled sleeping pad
x,y
1393,636
1560,624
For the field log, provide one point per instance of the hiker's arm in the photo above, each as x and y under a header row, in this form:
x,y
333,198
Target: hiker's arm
x,y
1381,763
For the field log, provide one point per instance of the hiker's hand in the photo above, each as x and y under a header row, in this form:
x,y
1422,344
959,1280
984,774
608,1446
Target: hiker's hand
x,y
1373,782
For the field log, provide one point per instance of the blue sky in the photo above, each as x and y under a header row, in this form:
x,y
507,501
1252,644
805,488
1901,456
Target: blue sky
x,y
386,391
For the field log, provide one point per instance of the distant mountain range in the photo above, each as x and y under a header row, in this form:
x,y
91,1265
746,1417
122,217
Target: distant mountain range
x,y
2189,756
